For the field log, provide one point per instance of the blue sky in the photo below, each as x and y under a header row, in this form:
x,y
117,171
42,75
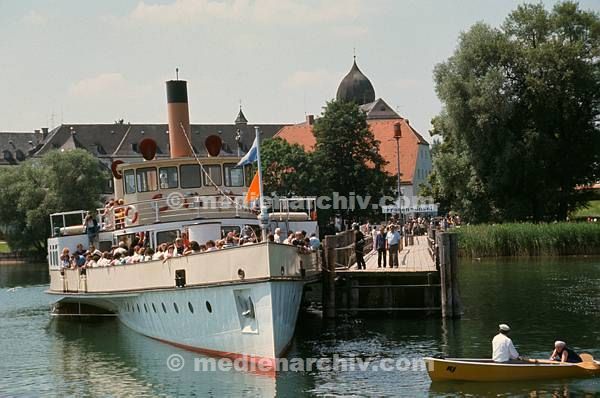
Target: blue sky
x,y
98,61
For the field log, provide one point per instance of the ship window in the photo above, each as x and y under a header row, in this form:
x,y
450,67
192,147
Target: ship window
x,y
164,307
168,177
190,176
214,171
191,307
138,307
154,307
166,236
234,176
208,307
129,181
145,307
147,179
249,172
176,308
225,229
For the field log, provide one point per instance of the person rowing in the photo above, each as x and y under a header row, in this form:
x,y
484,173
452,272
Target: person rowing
x,y
562,353
503,349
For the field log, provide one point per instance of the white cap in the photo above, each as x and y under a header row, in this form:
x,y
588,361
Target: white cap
x,y
559,343
504,327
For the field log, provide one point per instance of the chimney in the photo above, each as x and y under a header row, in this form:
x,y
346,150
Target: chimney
x,y
44,132
310,119
179,119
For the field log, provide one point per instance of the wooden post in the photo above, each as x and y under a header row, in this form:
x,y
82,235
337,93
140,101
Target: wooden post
x,y
448,255
456,303
443,242
329,277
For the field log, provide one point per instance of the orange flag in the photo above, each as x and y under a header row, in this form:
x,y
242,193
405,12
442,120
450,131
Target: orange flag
x,y
253,191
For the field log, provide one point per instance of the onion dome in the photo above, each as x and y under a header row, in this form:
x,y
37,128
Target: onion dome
x,y
356,87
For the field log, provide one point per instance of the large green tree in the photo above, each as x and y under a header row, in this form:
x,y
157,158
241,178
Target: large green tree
x,y
31,191
521,111
288,169
347,157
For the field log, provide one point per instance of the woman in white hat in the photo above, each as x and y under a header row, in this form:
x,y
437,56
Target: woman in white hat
x,y
562,353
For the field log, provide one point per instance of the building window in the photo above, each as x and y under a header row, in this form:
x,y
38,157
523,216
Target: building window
x,y
129,181
168,177
190,176
166,236
147,179
214,171
234,176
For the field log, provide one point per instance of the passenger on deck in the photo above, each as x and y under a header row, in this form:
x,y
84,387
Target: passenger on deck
x,y
148,253
121,249
315,243
179,246
91,228
193,249
80,250
277,235
289,239
105,260
562,353
160,252
65,258
271,238
211,246
503,349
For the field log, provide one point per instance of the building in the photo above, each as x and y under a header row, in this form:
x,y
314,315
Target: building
x,y
415,155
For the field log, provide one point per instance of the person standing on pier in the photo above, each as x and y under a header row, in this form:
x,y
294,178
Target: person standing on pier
x,y
393,241
380,244
359,247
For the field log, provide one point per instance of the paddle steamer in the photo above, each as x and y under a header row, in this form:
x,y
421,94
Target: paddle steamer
x,y
241,301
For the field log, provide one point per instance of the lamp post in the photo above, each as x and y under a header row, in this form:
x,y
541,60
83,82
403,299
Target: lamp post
x,y
397,136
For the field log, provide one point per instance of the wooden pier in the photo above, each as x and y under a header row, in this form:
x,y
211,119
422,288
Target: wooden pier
x,y
425,282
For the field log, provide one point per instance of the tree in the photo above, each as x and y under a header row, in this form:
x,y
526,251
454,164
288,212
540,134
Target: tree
x,y
31,191
287,169
521,113
347,156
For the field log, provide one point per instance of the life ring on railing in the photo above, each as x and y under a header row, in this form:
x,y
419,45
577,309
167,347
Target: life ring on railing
x,y
134,216
162,208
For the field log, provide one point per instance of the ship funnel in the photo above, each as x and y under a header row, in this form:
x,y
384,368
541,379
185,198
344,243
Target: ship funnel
x,y
179,119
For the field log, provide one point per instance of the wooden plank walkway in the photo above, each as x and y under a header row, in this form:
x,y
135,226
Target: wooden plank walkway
x,y
415,258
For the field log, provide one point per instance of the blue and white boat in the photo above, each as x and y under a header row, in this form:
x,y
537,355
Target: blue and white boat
x,y
241,301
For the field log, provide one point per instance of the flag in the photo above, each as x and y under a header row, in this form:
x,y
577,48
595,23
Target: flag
x,y
251,156
253,190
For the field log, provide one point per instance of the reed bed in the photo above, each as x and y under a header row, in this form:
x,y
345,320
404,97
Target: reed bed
x,y
527,239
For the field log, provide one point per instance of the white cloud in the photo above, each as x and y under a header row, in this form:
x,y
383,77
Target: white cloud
x,y
98,85
266,11
34,18
315,78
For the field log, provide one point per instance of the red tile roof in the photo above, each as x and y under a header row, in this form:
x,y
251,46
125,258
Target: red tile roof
x,y
383,130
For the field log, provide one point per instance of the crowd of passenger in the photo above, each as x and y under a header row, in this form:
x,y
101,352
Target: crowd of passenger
x,y
139,250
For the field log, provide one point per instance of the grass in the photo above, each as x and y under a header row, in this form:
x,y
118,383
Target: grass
x,y
4,247
592,210
526,239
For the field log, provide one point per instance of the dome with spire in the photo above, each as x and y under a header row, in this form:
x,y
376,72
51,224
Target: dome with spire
x,y
356,87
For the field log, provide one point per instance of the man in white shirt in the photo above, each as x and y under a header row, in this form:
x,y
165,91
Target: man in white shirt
x,y
393,241
503,349
277,235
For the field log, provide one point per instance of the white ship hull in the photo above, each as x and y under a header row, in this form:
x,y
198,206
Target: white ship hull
x,y
253,318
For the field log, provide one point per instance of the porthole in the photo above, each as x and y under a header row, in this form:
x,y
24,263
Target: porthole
x,y
138,307
164,307
154,307
208,307
176,308
191,307
145,307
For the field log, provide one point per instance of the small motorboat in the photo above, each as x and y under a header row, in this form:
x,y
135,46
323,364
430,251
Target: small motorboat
x,y
459,369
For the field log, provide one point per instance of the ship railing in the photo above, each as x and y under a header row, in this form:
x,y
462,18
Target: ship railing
x,y
171,209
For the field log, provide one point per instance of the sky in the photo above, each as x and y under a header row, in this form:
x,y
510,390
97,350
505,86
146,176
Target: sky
x,y
74,61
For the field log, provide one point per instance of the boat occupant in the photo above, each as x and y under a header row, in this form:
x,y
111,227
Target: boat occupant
x,y
562,353
503,349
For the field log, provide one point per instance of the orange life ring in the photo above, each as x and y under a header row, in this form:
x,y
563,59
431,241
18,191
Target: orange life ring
x,y
134,217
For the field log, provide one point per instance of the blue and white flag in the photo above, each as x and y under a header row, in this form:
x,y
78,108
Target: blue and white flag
x,y
251,155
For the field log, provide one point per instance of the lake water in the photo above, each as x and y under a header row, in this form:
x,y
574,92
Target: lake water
x,y
543,300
